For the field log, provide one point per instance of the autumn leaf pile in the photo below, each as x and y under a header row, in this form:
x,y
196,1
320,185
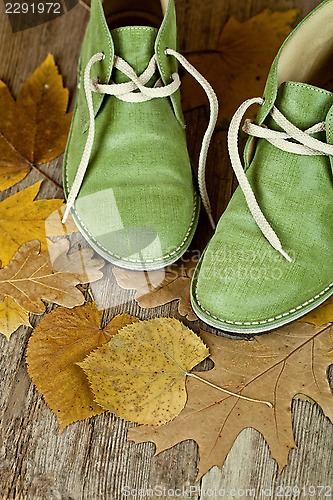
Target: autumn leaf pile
x,y
35,269
144,371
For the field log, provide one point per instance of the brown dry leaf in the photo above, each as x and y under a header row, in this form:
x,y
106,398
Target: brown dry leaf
x,y
238,67
156,288
274,367
22,219
140,374
12,316
321,315
52,275
61,340
34,128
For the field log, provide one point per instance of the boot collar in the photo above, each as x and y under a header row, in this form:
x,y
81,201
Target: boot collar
x,y
287,55
99,39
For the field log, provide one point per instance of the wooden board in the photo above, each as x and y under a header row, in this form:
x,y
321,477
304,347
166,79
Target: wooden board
x,y
92,460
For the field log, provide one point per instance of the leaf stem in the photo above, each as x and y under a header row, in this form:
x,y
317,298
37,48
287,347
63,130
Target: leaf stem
x,y
31,165
91,294
229,392
58,186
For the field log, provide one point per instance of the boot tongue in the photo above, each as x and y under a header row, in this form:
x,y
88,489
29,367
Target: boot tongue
x,y
302,104
135,44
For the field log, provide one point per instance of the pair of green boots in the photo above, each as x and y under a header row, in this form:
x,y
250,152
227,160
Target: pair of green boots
x,y
129,182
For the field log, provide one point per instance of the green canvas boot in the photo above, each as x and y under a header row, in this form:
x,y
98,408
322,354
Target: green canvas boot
x,y
270,259
127,174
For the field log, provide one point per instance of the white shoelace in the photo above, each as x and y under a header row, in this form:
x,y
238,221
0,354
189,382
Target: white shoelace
x,y
126,92
306,145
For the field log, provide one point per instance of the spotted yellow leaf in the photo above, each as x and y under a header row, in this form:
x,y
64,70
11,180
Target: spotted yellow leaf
x,y
140,374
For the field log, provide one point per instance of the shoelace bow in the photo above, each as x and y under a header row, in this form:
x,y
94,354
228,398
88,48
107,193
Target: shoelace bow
x,y
306,145
126,92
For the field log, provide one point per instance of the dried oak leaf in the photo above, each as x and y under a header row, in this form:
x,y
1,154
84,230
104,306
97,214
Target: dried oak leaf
x,y
238,67
275,367
34,128
52,275
140,374
321,315
22,219
156,288
12,316
61,340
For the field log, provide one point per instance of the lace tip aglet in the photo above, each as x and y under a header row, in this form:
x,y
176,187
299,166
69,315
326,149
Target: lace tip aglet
x,y
66,214
285,255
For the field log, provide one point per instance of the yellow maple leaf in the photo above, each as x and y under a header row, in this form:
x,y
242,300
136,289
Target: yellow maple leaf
x,y
140,374
34,128
22,219
321,315
12,316
238,67
63,338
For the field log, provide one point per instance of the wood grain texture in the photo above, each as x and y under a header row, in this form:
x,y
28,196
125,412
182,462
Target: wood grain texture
x,y
92,460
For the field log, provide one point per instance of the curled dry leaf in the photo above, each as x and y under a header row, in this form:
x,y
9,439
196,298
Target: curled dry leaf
x,y
52,275
63,338
34,128
274,367
238,67
22,219
321,315
12,316
156,288
140,374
